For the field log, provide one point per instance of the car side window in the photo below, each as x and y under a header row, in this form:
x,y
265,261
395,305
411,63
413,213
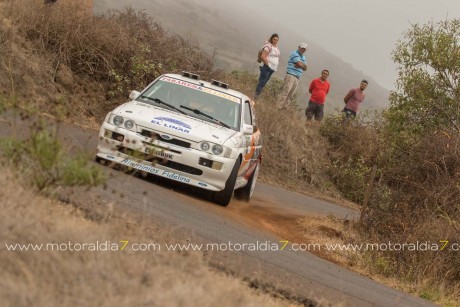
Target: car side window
x,y
253,113
247,113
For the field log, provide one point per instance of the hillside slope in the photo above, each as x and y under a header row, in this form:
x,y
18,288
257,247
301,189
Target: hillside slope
x,y
234,35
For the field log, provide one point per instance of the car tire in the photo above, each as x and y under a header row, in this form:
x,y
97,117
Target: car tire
x,y
245,193
223,197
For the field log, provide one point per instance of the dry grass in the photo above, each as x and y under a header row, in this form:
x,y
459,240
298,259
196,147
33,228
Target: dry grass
x,y
416,199
57,278
39,83
328,230
68,63
423,205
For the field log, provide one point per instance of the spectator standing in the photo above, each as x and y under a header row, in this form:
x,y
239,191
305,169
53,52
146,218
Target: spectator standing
x,y
319,88
297,64
270,58
353,99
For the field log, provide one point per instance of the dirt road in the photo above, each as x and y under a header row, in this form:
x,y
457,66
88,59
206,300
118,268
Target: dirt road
x,y
268,219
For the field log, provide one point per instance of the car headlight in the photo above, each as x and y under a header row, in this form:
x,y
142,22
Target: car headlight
x,y
217,149
118,120
129,124
205,146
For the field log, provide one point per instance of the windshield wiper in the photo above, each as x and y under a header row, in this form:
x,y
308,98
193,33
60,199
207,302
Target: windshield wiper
x,y
196,111
159,101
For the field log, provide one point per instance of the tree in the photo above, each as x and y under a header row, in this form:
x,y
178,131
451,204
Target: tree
x,y
427,95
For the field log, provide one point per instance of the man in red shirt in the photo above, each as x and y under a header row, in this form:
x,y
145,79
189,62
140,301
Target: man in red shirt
x,y
319,88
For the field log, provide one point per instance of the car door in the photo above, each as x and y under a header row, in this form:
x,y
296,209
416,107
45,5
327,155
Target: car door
x,y
252,142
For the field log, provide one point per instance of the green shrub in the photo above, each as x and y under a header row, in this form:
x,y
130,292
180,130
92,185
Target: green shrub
x,y
355,148
45,165
351,178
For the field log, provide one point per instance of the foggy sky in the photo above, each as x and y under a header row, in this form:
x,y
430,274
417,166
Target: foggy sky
x,y
361,32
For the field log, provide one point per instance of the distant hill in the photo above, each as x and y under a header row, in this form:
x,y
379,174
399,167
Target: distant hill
x,y
234,35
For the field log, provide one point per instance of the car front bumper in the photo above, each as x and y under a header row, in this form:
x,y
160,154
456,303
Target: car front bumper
x,y
187,165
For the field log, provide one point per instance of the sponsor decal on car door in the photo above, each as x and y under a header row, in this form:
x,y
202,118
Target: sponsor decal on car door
x,y
252,143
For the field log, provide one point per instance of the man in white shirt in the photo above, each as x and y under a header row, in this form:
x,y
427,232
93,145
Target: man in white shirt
x,y
270,58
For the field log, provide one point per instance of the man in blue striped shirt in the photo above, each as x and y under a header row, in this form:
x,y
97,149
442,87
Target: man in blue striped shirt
x,y
296,66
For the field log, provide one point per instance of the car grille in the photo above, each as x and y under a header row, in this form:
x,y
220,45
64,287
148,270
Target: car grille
x,y
154,135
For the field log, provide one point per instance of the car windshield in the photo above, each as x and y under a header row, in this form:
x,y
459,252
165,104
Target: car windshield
x,y
195,100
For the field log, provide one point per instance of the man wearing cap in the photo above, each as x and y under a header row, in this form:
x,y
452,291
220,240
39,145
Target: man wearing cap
x,y
296,66
353,99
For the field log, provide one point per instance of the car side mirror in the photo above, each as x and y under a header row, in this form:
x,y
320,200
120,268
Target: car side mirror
x,y
248,129
133,95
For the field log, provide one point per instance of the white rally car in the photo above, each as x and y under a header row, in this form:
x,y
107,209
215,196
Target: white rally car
x,y
188,130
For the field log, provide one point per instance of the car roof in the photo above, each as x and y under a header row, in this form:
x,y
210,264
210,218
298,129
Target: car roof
x,y
208,85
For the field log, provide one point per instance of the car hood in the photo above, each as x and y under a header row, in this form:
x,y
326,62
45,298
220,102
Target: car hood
x,y
173,123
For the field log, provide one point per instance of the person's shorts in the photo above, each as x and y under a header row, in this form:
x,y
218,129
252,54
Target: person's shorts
x,y
349,113
314,109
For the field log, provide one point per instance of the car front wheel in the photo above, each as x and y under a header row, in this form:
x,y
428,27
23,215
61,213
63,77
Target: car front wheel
x,y
223,197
